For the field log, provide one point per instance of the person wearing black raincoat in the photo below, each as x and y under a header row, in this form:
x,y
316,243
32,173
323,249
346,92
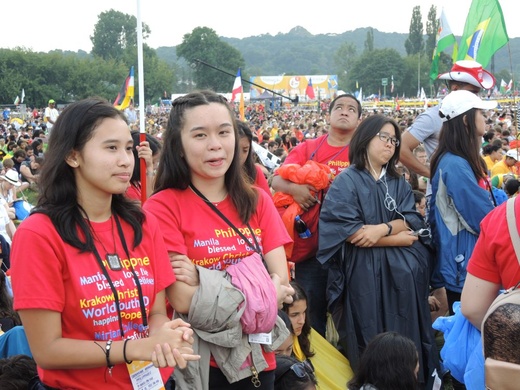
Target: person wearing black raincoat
x,y
371,239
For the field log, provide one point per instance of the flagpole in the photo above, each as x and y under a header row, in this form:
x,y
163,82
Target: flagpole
x,y
142,123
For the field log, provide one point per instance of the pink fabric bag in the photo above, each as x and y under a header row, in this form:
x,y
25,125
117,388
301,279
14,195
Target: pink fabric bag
x,y
250,276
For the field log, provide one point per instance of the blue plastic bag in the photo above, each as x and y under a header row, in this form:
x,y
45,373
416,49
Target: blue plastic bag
x,y
22,209
460,340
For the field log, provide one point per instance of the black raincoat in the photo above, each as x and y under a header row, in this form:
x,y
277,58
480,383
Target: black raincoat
x,y
377,289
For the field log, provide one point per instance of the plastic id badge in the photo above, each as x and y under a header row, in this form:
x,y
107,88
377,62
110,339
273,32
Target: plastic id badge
x,y
145,376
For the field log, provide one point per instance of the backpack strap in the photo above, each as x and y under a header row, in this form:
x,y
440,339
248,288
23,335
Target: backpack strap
x,y
511,224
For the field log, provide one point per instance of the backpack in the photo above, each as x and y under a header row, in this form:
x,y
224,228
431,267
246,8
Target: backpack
x,y
501,319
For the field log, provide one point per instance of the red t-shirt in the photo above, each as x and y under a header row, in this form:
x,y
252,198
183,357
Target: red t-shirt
x,y
494,257
134,192
336,157
261,181
56,276
191,228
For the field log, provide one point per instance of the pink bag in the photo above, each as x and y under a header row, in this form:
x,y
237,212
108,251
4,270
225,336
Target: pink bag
x,y
250,276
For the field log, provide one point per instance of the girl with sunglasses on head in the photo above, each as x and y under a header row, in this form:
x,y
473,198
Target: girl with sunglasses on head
x,y
371,237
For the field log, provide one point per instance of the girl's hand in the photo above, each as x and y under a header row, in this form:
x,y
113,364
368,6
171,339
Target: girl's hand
x,y
284,293
406,238
185,271
369,235
144,151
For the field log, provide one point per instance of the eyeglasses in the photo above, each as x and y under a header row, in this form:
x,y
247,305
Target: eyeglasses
x,y
386,138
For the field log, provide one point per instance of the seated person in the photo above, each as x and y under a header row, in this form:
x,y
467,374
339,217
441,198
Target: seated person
x,y
30,170
291,374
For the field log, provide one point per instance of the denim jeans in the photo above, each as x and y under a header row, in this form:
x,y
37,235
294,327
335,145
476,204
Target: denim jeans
x,y
312,277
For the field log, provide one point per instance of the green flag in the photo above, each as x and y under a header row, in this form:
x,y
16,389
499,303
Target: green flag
x,y
484,32
445,39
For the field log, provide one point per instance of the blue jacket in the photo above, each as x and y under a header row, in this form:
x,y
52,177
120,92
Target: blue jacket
x,y
457,206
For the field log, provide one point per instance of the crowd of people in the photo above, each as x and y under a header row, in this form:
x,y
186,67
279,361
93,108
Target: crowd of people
x,y
200,278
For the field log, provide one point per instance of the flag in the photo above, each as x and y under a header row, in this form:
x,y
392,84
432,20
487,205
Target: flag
x,y
392,85
357,85
23,96
509,87
17,100
444,39
503,86
309,91
237,89
126,94
484,32
360,95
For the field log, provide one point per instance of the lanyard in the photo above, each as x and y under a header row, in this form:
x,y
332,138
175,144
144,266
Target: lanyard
x,y
212,206
111,284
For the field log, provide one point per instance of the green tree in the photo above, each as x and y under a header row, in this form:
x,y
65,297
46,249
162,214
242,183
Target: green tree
x,y
414,43
115,33
432,25
343,59
204,44
369,42
371,67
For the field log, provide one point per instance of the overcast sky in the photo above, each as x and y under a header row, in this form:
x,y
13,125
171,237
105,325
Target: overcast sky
x,y
43,25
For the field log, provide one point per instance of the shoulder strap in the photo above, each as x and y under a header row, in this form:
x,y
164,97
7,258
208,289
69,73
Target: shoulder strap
x,y
511,224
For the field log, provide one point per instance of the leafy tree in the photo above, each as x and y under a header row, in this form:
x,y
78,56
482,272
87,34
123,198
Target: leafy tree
x,y
343,59
203,44
371,67
414,43
432,25
369,42
114,33
417,72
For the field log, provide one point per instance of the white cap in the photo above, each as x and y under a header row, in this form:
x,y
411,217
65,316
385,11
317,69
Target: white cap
x,y
512,153
461,101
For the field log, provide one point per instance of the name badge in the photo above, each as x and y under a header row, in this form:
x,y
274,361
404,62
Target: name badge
x,y
261,338
145,376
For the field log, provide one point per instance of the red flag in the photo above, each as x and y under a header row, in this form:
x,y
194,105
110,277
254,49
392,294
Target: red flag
x,y
310,90
126,94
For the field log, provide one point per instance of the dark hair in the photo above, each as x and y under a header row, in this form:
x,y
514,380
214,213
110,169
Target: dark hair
x,y
155,146
249,164
347,95
17,372
418,196
35,144
19,153
490,148
6,303
286,378
173,170
388,363
58,195
364,134
461,140
304,337
511,186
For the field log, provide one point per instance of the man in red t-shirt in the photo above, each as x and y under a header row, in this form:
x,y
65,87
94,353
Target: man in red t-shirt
x,y
331,149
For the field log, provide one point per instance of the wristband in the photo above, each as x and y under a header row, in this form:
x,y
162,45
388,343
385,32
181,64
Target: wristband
x,y
389,229
124,353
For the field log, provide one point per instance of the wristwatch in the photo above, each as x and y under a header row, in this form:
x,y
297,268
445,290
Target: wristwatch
x,y
389,229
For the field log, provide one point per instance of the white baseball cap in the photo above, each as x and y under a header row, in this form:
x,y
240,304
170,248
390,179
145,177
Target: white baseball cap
x,y
461,101
513,154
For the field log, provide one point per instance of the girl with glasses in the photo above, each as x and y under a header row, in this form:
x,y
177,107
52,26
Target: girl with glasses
x,y
371,238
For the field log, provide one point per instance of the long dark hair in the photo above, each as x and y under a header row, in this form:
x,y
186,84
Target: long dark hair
x,y
249,165
365,132
6,302
461,139
58,195
175,173
388,363
303,338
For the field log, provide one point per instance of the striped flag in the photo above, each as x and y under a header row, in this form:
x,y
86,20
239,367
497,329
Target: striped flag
x,y
238,89
126,94
309,91
445,39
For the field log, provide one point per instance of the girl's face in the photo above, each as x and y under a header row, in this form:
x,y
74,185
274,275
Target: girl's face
x,y
296,314
243,147
208,142
381,148
286,348
480,123
105,165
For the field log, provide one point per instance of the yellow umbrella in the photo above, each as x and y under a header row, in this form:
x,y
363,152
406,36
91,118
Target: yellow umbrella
x,y
17,120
